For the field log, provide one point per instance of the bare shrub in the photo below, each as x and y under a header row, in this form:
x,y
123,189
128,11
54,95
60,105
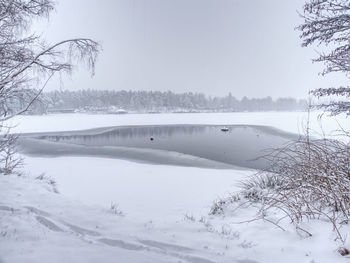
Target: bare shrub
x,y
189,217
116,209
9,159
307,179
258,186
51,182
219,205
344,251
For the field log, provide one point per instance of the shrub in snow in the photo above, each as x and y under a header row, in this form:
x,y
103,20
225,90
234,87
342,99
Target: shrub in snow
x,y
306,180
116,210
313,181
344,251
51,182
9,160
257,187
219,205
189,217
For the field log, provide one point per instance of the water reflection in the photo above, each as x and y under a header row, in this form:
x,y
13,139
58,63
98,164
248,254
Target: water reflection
x,y
122,135
239,145
127,133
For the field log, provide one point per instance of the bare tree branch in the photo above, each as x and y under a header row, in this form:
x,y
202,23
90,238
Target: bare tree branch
x,y
327,24
25,59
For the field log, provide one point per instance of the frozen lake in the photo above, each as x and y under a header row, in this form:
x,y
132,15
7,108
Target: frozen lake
x,y
288,121
109,159
177,139
212,146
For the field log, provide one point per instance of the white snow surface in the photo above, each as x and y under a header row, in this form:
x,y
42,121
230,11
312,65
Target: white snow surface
x,y
141,190
164,217
288,121
161,214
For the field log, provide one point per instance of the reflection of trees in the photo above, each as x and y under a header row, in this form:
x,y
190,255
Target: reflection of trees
x,y
118,135
240,146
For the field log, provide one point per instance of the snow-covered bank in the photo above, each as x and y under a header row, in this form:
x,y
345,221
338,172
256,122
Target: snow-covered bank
x,y
160,212
287,121
143,191
38,225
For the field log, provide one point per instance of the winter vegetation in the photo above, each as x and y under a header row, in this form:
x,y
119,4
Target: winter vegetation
x,y
103,201
104,101
95,202
26,60
308,179
327,26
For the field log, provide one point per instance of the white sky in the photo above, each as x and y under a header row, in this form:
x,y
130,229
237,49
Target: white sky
x,y
249,48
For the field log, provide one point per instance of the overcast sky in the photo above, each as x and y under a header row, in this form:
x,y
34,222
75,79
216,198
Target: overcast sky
x,y
247,47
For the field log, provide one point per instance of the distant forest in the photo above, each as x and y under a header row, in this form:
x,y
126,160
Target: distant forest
x,y
156,101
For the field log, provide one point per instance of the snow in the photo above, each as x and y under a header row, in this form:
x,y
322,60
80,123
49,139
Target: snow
x,y
141,190
163,210
39,225
287,121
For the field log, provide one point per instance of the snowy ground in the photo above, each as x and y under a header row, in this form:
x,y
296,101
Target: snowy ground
x,y
161,212
150,192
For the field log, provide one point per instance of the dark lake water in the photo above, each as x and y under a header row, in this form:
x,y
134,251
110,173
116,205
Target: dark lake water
x,y
237,145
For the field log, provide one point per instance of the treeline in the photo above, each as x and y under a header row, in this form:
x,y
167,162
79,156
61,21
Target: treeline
x,y
157,101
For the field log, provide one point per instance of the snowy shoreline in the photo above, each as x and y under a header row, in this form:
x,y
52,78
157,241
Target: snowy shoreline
x,y
110,210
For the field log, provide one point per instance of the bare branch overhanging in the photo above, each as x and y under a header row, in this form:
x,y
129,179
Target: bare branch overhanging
x,y
27,59
327,24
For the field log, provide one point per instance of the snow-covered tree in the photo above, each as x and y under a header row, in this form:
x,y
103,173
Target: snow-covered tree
x,y
327,24
27,61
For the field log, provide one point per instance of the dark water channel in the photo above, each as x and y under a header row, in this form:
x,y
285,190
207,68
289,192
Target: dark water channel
x,y
237,145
